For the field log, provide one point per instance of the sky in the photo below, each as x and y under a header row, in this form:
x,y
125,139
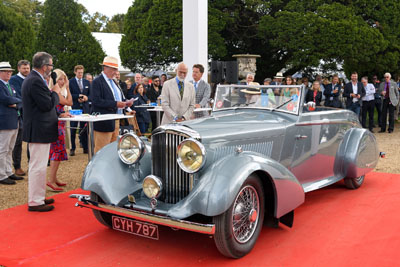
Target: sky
x,y
106,7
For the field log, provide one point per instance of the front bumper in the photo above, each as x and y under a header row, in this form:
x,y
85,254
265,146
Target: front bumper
x,y
85,201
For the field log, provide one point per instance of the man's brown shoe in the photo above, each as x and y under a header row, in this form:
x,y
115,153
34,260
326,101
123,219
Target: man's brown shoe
x,y
41,208
49,201
19,172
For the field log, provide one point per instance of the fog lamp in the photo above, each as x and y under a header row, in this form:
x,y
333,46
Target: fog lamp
x,y
191,155
130,148
152,186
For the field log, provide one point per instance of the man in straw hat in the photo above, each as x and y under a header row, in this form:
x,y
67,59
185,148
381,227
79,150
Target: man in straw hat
x,y
107,98
8,124
278,79
40,122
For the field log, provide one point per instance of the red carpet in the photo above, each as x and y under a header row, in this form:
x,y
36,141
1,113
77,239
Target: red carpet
x,y
334,227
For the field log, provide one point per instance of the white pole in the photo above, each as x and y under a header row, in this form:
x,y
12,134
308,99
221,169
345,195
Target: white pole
x,y
195,35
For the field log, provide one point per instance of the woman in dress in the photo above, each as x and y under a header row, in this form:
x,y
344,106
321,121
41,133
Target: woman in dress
x,y
314,94
142,115
58,152
288,92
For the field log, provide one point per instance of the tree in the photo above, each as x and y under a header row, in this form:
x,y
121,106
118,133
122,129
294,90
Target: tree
x,y
64,35
32,10
97,22
17,36
115,24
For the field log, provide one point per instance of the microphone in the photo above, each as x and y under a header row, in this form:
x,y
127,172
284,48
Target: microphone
x,y
53,76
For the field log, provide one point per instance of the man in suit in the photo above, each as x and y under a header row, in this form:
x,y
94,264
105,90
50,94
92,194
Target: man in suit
x,y
40,127
178,97
354,91
121,84
202,90
80,89
278,79
24,68
332,92
8,124
388,89
107,98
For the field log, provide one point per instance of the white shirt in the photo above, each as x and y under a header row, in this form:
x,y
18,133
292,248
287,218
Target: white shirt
x,y
354,91
110,86
20,75
369,92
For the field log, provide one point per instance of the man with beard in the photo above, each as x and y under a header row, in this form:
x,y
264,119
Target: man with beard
x,y
40,127
178,97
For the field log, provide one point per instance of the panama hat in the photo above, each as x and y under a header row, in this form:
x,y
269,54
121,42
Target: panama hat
x,y
279,75
252,91
111,62
5,66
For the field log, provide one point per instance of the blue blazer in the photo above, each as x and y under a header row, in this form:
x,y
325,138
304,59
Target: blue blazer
x,y
348,89
40,114
75,92
335,102
8,116
103,102
16,82
142,114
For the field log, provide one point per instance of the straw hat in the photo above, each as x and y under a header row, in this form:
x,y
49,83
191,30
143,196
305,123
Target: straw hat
x,y
5,66
252,91
279,75
111,62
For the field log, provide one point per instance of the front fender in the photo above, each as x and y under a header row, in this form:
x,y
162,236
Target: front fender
x,y
221,182
110,178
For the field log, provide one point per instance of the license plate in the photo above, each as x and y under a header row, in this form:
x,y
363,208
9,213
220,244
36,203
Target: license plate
x,y
135,227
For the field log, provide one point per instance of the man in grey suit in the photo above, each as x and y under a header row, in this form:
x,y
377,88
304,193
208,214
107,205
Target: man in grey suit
x,y
177,97
390,95
202,89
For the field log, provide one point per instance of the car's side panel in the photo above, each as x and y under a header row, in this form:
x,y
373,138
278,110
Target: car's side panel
x,y
357,154
219,185
110,178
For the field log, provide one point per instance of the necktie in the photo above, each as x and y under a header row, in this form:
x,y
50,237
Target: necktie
x,y
80,85
195,86
11,93
9,89
387,91
181,89
116,93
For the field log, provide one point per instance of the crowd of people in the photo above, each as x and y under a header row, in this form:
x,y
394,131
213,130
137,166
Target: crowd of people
x,y
31,103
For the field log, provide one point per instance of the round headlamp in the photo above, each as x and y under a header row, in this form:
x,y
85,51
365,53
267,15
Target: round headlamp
x,y
130,148
152,186
191,155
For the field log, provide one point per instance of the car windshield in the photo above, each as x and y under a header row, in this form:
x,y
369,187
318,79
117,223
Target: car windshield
x,y
284,98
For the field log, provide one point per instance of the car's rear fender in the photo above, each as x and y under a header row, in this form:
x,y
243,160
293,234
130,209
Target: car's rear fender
x,y
221,182
357,154
110,178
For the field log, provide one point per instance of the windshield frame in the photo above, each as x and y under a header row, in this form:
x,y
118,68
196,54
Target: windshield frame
x,y
300,102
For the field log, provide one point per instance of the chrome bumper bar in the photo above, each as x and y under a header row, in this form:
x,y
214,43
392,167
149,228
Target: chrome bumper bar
x,y
84,201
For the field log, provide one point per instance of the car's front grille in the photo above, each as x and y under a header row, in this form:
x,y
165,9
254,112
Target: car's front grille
x,y
176,182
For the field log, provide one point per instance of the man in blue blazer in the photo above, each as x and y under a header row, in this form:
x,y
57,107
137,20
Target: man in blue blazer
x,y
332,92
80,89
107,98
354,91
8,124
24,68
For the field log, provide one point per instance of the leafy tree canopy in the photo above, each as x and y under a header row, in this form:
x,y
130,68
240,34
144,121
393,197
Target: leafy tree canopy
x,y
64,35
32,10
16,36
359,35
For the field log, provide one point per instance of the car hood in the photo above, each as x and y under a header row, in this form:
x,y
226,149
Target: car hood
x,y
239,124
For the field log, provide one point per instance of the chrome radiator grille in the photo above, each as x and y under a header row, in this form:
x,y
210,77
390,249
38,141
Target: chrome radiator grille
x,y
164,165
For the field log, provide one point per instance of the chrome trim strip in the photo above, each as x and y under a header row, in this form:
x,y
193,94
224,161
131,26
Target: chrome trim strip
x,y
151,218
325,122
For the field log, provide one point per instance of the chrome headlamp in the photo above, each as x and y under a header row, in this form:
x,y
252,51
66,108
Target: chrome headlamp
x,y
152,186
191,155
130,148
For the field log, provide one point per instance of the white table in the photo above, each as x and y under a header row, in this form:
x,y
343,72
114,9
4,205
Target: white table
x,y
159,109
90,119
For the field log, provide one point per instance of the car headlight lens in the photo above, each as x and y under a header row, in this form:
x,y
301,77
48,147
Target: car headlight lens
x,y
130,148
191,155
152,186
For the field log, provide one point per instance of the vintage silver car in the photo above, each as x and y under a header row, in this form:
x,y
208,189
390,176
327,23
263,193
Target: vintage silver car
x,y
248,164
